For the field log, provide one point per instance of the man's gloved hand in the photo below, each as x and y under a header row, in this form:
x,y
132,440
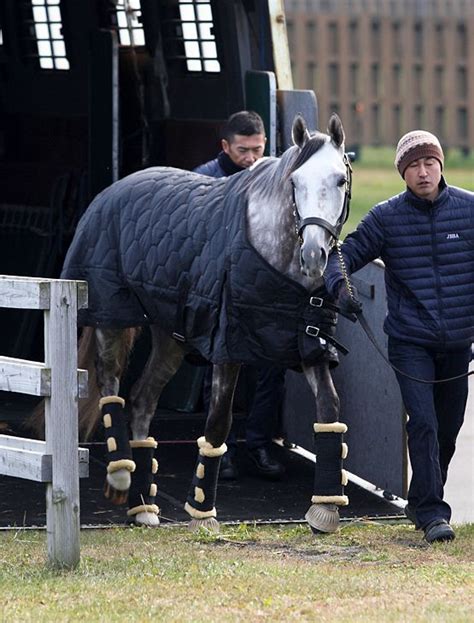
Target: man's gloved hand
x,y
348,304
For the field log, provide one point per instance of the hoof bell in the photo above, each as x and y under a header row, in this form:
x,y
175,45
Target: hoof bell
x,y
209,524
323,518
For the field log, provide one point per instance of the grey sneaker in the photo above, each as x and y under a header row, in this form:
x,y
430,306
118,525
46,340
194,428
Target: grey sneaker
x,y
438,530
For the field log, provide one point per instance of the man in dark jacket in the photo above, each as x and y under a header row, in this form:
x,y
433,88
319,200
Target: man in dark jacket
x,y
425,237
243,143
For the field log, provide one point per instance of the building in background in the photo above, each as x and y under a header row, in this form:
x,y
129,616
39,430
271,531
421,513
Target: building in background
x,y
388,66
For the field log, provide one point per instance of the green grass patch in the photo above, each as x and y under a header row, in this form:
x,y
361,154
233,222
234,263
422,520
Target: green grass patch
x,y
365,572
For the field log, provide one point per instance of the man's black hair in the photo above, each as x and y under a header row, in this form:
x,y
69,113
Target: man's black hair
x,y
244,122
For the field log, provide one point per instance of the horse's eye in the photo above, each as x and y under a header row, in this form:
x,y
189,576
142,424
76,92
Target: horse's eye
x,y
342,181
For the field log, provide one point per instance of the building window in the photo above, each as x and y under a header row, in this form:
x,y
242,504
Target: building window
x,y
418,33
311,76
333,38
375,39
419,114
354,47
49,37
198,36
129,17
333,79
311,38
397,44
440,122
376,123
397,120
375,79
354,79
440,40
397,79
461,76
461,41
418,81
462,125
439,81
357,114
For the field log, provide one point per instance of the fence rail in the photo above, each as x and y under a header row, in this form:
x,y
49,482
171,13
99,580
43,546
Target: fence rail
x,y
57,461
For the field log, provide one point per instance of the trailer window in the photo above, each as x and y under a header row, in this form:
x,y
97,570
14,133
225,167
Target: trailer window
x,y
49,37
129,20
198,36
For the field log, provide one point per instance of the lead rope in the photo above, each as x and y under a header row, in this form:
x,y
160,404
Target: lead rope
x,y
368,331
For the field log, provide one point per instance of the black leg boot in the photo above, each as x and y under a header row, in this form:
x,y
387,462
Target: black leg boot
x,y
141,500
200,503
119,454
329,477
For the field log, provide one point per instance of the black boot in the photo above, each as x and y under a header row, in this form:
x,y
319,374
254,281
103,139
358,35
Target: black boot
x,y
264,465
228,469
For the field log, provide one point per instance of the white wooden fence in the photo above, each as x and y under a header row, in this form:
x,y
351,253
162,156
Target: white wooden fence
x,y
58,461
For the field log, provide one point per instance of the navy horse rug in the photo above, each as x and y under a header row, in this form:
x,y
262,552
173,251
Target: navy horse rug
x,y
170,247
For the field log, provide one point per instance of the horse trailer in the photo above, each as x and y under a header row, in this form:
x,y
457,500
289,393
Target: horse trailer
x,y
92,91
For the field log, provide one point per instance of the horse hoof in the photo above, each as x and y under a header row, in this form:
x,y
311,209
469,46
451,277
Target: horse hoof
x,y
115,495
323,518
210,524
145,520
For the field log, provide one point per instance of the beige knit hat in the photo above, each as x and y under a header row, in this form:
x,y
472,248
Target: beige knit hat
x,y
417,144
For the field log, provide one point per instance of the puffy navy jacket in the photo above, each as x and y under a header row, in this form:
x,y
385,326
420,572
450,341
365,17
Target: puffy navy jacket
x,y
211,168
428,251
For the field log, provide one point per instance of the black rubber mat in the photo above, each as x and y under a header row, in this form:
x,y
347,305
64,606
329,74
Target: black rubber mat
x,y
250,498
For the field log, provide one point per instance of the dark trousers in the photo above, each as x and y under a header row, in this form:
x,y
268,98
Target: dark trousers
x,y
262,416
435,416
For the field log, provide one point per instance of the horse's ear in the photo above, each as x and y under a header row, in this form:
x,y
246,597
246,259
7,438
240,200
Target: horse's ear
x,y
335,130
299,131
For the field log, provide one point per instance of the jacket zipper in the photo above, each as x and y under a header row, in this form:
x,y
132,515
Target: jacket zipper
x,y
434,247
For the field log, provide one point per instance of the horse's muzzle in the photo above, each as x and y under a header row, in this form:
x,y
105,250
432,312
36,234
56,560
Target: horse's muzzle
x,y
313,261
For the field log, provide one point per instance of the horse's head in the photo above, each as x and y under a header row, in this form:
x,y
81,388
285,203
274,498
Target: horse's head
x,y
321,190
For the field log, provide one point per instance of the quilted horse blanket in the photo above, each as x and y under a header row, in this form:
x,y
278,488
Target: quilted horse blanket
x,y
170,247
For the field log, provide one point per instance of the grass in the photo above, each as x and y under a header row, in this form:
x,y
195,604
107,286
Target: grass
x,y
376,179
366,572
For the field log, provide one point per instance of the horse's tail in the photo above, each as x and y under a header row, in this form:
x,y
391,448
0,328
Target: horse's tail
x,y
89,413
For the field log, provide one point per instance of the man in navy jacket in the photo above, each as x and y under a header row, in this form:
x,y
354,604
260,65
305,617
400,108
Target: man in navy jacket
x,y
425,237
243,143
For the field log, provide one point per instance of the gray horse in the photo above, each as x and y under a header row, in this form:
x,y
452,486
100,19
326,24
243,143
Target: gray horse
x,y
228,268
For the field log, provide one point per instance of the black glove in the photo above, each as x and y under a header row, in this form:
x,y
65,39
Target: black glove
x,y
348,304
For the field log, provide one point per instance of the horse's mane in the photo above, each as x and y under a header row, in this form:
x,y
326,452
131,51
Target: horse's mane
x,y
271,175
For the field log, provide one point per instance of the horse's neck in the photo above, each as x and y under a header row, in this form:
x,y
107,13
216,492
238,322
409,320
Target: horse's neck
x,y
271,231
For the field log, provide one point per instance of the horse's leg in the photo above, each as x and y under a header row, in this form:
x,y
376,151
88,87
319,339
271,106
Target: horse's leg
x,y
108,370
164,360
329,477
200,503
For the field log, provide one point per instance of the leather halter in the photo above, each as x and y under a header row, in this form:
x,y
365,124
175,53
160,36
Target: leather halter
x,y
334,230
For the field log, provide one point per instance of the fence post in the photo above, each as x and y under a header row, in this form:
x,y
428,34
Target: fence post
x,y
61,421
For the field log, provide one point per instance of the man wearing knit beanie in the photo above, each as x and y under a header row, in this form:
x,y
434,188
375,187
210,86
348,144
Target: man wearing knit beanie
x,y
425,237
420,157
